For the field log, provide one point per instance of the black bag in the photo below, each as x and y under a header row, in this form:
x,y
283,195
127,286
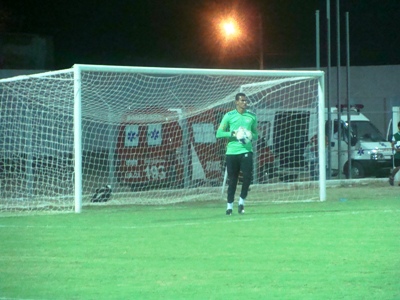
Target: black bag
x,y
102,194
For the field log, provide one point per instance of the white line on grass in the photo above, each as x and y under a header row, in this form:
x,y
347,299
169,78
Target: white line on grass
x,y
227,219
2,298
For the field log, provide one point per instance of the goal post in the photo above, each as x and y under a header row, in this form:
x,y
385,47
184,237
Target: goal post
x,y
322,142
149,134
78,138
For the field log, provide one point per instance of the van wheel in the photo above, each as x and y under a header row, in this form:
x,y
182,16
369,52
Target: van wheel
x,y
357,170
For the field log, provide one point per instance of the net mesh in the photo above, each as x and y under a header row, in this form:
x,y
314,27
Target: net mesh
x,y
150,136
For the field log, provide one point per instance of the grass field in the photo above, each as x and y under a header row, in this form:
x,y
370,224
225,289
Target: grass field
x,y
337,249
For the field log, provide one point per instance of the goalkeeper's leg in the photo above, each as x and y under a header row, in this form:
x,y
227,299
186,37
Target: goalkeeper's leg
x,y
246,167
394,172
233,169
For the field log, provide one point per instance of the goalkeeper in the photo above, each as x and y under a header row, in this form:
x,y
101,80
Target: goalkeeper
x,y
239,126
396,149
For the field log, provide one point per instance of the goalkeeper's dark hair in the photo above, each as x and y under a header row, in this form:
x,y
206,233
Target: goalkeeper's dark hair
x,y
239,95
398,124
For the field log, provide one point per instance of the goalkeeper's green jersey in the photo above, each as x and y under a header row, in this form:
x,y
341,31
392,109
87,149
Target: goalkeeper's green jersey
x,y
231,122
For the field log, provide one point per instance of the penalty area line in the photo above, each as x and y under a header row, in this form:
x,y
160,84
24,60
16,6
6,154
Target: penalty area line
x,y
226,219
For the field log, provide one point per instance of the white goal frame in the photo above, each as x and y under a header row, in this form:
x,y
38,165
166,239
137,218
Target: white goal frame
x,y
78,68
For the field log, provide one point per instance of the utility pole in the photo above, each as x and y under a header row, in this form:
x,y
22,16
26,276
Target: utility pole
x,y
261,46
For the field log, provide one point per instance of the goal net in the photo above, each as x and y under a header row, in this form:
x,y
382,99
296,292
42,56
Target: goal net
x,y
148,134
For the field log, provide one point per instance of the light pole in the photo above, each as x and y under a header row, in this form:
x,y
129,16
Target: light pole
x,y
260,40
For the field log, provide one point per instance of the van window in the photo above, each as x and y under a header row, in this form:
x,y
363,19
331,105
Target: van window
x,y
291,137
335,130
366,131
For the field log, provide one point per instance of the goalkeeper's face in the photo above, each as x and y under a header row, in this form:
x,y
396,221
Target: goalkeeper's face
x,y
241,103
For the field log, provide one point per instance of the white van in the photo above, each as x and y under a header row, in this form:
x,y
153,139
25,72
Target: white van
x,y
371,152
286,135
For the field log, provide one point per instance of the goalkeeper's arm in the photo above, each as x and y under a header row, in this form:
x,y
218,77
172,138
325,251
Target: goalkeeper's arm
x,y
223,131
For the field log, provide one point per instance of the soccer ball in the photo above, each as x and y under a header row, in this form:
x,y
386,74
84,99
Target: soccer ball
x,y
397,145
244,136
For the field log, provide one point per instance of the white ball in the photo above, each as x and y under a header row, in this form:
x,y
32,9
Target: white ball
x,y
243,135
397,145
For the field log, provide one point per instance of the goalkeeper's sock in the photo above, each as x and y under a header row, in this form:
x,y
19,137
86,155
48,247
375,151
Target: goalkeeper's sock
x,y
241,201
229,205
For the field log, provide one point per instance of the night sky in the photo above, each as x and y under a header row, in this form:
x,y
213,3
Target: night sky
x,y
184,33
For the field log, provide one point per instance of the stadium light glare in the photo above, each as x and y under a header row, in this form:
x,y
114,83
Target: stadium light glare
x,y
229,28
232,31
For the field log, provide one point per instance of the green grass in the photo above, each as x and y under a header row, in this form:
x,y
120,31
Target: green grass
x,y
329,250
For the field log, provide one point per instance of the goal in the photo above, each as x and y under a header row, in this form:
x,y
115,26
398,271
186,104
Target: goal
x,y
149,135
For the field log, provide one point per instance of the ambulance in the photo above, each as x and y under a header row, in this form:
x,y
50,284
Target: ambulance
x,y
149,150
169,148
370,151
